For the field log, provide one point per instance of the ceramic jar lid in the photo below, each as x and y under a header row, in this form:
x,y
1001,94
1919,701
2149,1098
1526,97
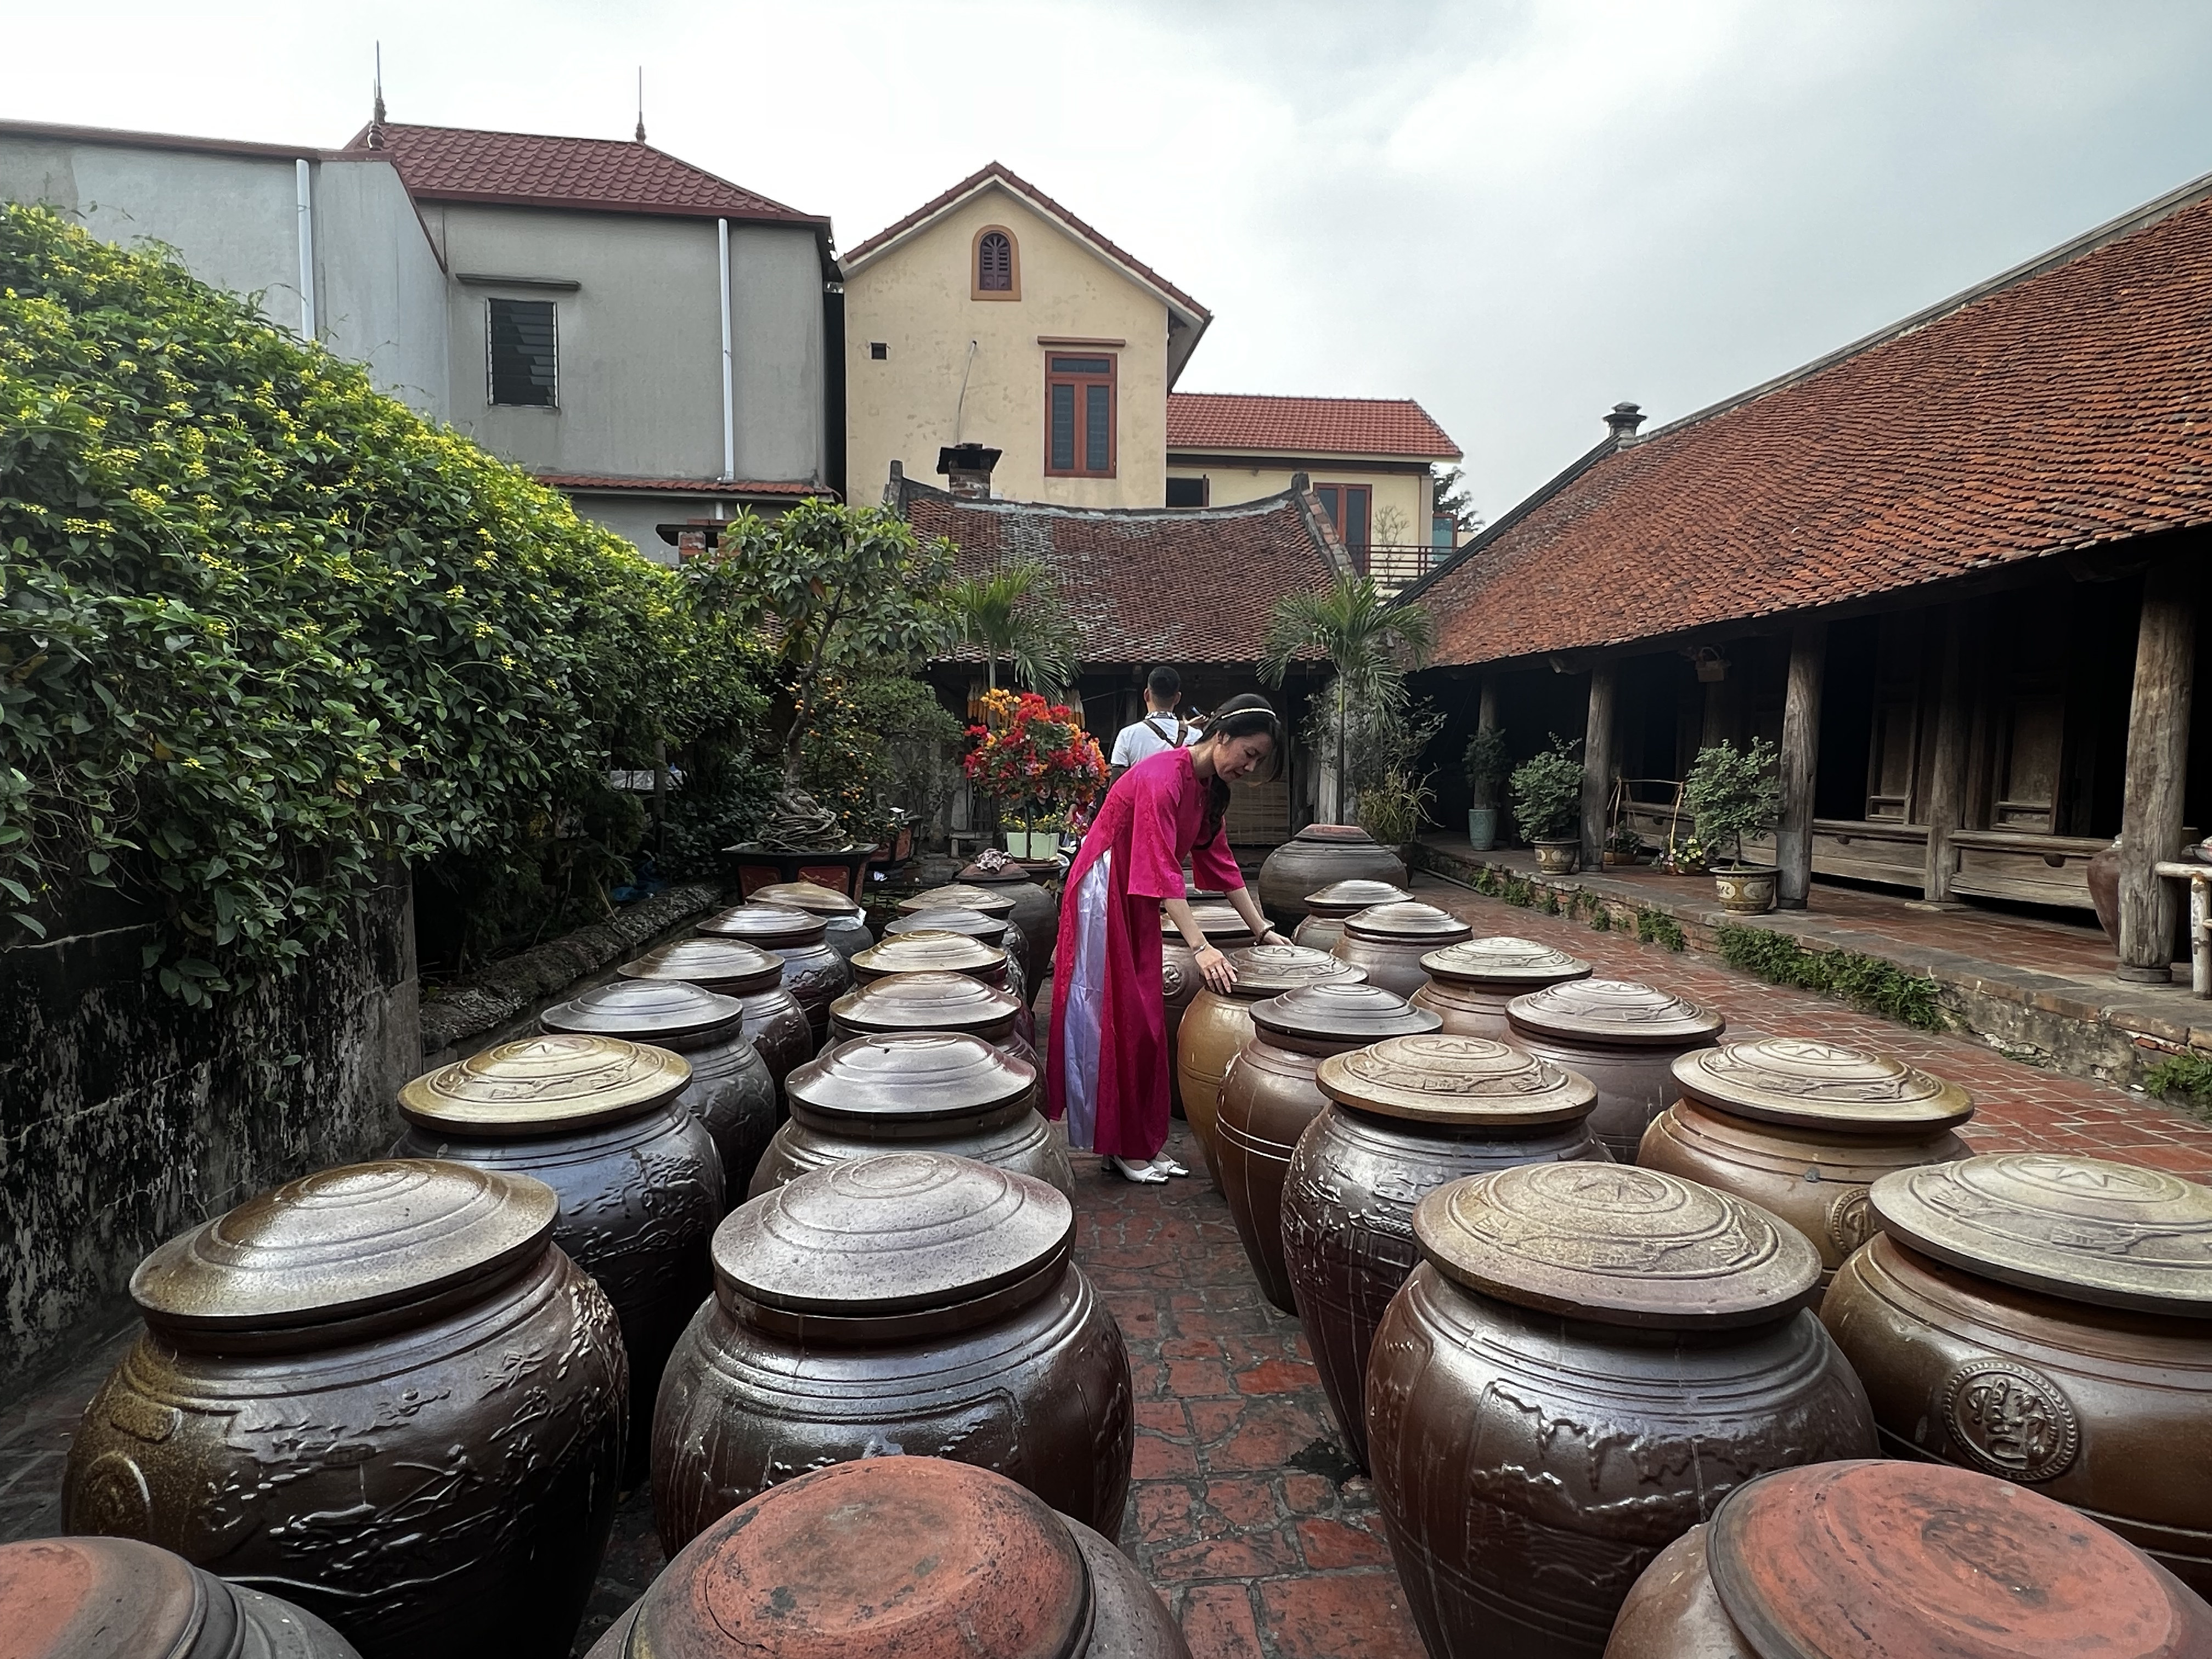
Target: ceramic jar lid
x,y
1216,918
771,926
1896,1560
913,1077
809,895
2114,1233
1808,1084
960,896
116,1598
719,964
1617,1244
1346,898
1407,922
343,1242
644,1009
543,1084
1458,1082
882,1558
1335,835
1268,970
1008,874
1349,1011
951,919
926,1002
903,1232
1618,1011
1504,963
927,952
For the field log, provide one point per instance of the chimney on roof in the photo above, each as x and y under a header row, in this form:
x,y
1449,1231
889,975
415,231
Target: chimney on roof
x,y
967,470
1622,424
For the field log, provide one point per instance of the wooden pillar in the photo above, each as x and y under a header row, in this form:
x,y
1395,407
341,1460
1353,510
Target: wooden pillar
x,y
2158,762
1801,760
1597,761
1720,722
1947,783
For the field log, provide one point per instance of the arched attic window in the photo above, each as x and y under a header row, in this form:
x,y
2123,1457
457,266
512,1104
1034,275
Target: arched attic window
x,y
998,264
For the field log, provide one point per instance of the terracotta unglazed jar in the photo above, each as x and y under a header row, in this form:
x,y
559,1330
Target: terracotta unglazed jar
x,y
991,901
730,1090
813,970
116,1598
909,1302
1889,1560
1269,1096
1589,1358
774,1023
600,1121
1216,1028
1389,940
934,1091
1470,983
1178,978
1802,1127
843,919
1036,912
1406,1116
931,1002
897,1557
997,932
1624,1037
1326,910
929,951
381,1389
2047,1319
1317,856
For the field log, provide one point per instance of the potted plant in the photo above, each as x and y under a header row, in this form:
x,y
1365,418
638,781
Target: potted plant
x,y
1546,794
1623,846
1732,793
1486,765
1393,808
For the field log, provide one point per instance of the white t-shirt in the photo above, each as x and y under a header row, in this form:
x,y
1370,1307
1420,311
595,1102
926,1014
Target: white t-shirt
x,y
1148,737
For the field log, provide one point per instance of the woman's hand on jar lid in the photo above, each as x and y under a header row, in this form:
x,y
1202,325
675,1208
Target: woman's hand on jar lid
x,y
1212,965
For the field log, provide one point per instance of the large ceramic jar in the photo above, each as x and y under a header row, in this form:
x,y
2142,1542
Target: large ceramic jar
x,y
1470,983
774,1023
1270,1095
1803,1128
1389,940
600,1121
1036,912
998,932
931,1002
116,1598
928,952
1406,1115
1317,856
934,1091
2047,1319
971,896
381,1389
1326,909
910,1301
1222,927
813,971
1622,1037
1215,1028
897,1557
1891,1560
844,922
1589,1358
730,1090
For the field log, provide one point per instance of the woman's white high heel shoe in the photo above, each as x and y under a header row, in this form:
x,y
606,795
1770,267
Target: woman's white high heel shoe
x,y
1143,1174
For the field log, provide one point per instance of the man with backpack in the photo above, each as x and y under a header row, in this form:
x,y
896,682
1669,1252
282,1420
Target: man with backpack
x,y
1161,727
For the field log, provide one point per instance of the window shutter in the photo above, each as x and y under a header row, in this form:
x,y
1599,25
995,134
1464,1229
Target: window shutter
x,y
1063,429
1097,428
994,265
523,369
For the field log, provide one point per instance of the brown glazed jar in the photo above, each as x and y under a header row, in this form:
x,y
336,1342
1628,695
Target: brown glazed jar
x,y
116,1598
381,1392
774,1023
1802,1127
971,896
1470,983
934,1091
1035,910
931,1002
1389,941
1180,984
908,1302
996,932
926,951
1320,855
813,971
730,1091
1622,1037
896,1557
601,1122
1269,1096
1326,910
845,923
1216,1028
1406,1115
1589,1358
2047,1319
1891,1560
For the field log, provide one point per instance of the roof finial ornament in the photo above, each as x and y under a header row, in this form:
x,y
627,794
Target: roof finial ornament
x,y
376,111
640,103
1623,421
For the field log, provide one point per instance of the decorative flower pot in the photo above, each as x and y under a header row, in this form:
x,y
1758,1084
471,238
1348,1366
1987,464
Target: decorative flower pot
x,y
931,1002
1587,1360
775,1024
1746,890
1036,910
998,932
909,1300
1469,984
1558,857
812,972
1624,1037
1180,982
845,922
1406,1116
1328,909
1481,829
383,1388
1389,940
1317,856
841,869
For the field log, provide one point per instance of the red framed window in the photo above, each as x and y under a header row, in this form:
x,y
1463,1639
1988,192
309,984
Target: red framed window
x,y
1349,507
1078,416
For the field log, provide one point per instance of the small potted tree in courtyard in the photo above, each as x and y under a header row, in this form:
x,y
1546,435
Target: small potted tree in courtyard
x,y
1732,793
1487,765
1546,793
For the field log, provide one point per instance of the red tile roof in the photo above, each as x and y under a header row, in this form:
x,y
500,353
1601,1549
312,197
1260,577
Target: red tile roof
x,y
611,484
1306,426
528,169
2063,408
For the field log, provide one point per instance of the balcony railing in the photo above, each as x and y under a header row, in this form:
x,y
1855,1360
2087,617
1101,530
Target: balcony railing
x,y
1395,565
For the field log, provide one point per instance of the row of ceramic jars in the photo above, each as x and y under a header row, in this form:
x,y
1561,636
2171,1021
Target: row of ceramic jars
x,y
814,971
931,950
774,1023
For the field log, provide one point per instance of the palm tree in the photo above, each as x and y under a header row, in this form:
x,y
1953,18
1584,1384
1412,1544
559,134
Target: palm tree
x,y
1369,642
1013,613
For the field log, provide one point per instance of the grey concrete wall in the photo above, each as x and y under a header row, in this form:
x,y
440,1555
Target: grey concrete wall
x,y
381,296
778,353
636,517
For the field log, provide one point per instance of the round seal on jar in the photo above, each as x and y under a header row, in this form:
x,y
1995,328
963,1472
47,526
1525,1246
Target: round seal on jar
x,y
1624,1037
1036,912
1389,940
1326,909
776,1023
932,1002
1470,983
845,923
813,971
998,932
1215,1028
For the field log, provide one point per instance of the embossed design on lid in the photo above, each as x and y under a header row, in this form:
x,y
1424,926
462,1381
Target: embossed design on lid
x,y
926,1002
913,1077
544,1084
1268,970
960,896
809,895
1407,922
719,964
642,1009
883,1558
1462,1082
771,926
927,952
951,919
1347,1011
1216,919
343,1241
1503,961
1345,898
1612,1011
1824,1086
1848,1561
2117,1235
1617,1244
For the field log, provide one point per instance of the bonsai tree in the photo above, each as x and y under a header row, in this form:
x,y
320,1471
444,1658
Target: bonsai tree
x,y
1369,641
1546,793
1732,793
1013,614
1486,765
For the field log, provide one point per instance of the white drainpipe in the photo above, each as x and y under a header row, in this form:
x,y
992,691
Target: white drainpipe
x,y
729,390
306,177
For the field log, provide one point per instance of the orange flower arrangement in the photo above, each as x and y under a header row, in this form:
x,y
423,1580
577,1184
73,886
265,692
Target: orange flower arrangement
x,y
1034,752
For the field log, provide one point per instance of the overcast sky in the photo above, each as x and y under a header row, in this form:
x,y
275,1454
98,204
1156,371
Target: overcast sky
x,y
1517,213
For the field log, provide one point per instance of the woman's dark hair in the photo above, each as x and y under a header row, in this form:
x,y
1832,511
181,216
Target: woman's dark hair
x,y
1247,716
